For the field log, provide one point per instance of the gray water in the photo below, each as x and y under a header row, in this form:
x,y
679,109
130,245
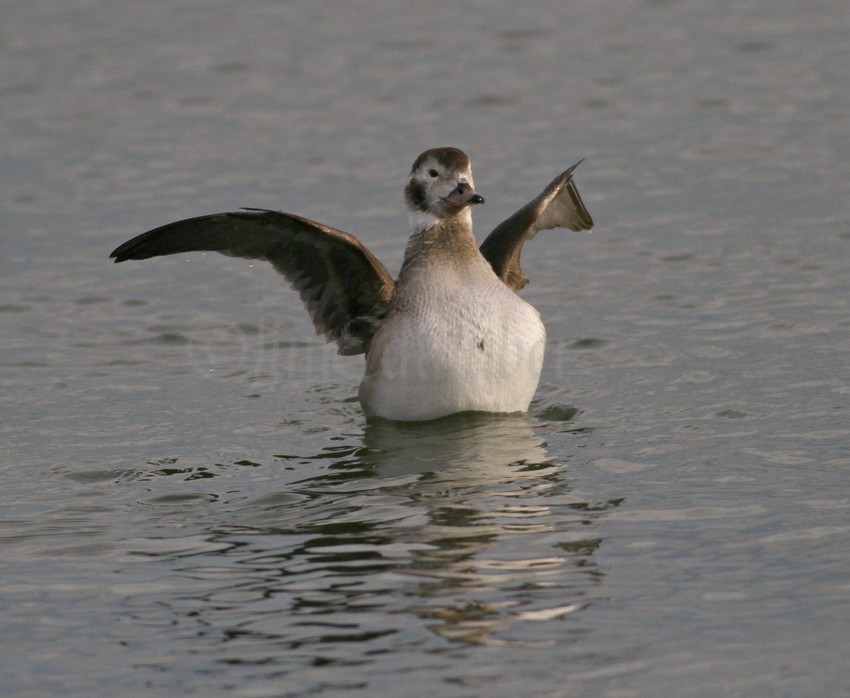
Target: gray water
x,y
191,501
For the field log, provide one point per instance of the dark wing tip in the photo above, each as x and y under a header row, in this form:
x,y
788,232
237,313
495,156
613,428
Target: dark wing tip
x,y
119,254
129,250
571,169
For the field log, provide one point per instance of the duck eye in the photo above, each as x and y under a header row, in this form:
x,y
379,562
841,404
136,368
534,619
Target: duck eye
x,y
433,173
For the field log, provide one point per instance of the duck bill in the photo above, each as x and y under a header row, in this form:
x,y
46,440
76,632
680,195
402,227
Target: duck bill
x,y
464,195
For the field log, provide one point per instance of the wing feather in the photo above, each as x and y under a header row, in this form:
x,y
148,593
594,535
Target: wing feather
x,y
559,205
344,287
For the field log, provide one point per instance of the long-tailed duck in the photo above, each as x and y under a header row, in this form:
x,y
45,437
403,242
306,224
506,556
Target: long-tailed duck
x,y
450,334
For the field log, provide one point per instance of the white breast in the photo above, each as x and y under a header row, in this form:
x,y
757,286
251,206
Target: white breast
x,y
457,340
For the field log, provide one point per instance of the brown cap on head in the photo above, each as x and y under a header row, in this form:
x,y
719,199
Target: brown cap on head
x,y
453,158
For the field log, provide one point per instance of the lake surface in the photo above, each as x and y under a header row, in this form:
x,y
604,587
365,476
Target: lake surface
x,y
191,501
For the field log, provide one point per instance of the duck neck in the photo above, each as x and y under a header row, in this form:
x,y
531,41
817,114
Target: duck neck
x,y
451,236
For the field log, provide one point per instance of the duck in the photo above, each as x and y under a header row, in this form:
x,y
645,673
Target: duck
x,y
450,334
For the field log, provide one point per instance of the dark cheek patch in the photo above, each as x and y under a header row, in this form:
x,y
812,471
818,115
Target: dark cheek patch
x,y
415,195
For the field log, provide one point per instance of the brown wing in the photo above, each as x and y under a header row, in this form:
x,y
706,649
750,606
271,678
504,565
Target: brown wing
x,y
558,206
345,288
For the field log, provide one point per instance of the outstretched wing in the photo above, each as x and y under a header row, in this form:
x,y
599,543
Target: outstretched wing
x,y
558,206
344,287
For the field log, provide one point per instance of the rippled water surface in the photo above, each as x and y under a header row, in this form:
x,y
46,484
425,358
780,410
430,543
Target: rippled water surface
x,y
191,501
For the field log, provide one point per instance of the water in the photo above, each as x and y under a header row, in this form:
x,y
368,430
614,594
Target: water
x,y
191,501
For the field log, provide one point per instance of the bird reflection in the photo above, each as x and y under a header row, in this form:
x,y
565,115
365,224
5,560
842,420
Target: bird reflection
x,y
485,480
467,443
463,529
